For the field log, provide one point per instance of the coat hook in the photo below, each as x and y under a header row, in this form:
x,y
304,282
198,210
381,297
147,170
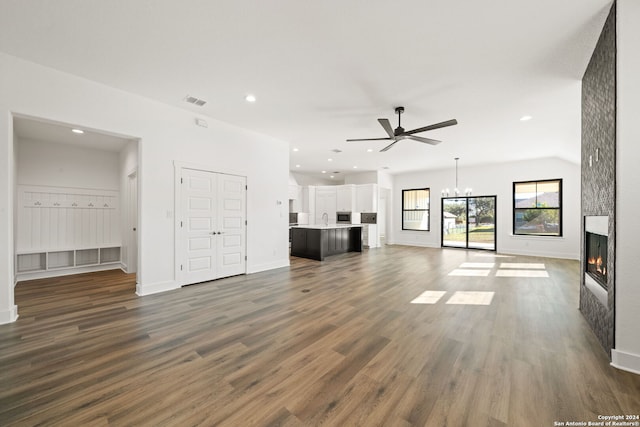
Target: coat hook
x,y
90,205
56,204
37,203
74,204
106,205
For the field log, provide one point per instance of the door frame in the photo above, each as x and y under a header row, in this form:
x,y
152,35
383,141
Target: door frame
x,y
178,253
466,247
132,216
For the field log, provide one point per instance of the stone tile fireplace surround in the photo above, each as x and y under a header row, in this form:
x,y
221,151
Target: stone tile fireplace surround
x,y
597,302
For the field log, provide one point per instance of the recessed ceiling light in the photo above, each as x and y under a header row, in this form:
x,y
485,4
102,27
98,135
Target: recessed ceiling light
x,y
250,98
525,118
324,171
297,166
295,149
77,131
330,160
355,167
369,150
332,176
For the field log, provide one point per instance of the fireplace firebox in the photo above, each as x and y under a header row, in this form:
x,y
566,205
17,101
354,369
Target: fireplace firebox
x,y
596,256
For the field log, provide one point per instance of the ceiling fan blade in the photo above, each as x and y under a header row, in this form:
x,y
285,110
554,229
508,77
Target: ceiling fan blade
x,y
387,127
425,140
389,146
369,139
432,127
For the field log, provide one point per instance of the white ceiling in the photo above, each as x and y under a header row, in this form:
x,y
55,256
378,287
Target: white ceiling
x,y
38,130
325,71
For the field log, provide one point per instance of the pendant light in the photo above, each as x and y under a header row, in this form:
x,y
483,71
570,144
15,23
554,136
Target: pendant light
x,y
456,191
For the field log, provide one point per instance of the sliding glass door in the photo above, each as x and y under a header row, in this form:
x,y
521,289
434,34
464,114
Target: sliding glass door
x,y
469,222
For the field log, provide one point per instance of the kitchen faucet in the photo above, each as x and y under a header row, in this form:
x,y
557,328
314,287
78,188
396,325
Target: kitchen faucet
x,y
325,218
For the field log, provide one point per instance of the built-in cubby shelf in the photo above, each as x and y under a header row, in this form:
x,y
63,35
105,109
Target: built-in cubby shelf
x,y
42,261
87,257
60,259
108,255
66,230
31,262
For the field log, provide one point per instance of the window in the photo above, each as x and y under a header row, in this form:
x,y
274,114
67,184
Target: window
x,y
415,209
537,208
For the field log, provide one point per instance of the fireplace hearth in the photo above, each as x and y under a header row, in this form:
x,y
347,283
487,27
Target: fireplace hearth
x,y
596,257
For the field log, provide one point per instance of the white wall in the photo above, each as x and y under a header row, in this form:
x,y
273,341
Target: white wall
x,y
56,165
490,180
627,336
166,134
8,310
63,165
361,178
304,180
385,179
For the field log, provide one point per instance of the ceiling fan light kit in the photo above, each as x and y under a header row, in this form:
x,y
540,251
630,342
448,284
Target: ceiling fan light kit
x,y
399,133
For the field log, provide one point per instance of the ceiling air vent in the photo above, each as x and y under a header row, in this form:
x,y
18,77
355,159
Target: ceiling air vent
x,y
195,101
336,150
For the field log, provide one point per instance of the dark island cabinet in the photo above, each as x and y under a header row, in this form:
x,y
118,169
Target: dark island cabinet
x,y
317,243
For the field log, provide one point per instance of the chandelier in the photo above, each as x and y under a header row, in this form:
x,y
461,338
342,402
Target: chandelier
x,y
456,191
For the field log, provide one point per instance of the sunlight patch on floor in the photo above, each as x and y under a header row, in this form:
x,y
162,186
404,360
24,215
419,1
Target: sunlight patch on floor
x,y
523,265
477,264
493,256
521,273
502,269
428,297
470,273
471,298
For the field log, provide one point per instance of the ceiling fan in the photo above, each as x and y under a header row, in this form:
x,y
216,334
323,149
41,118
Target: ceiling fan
x,y
399,133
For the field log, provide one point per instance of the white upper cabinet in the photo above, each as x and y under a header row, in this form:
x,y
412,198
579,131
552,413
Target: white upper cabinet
x,y
325,204
346,198
308,200
295,198
294,191
367,198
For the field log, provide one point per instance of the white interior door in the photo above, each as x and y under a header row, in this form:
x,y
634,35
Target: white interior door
x,y
213,228
199,223
132,250
230,244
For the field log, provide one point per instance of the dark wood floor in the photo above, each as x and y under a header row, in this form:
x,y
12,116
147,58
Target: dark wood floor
x,y
337,343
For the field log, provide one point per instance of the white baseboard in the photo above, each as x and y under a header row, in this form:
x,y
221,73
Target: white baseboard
x,y
545,254
626,361
267,266
413,243
155,288
65,272
560,255
9,315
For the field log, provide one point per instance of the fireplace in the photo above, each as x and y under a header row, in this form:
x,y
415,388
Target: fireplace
x,y
596,257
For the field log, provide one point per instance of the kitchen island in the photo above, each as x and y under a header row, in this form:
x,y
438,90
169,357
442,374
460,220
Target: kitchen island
x,y
318,241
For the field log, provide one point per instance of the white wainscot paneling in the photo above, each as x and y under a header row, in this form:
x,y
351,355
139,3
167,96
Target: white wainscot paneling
x,y
60,228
